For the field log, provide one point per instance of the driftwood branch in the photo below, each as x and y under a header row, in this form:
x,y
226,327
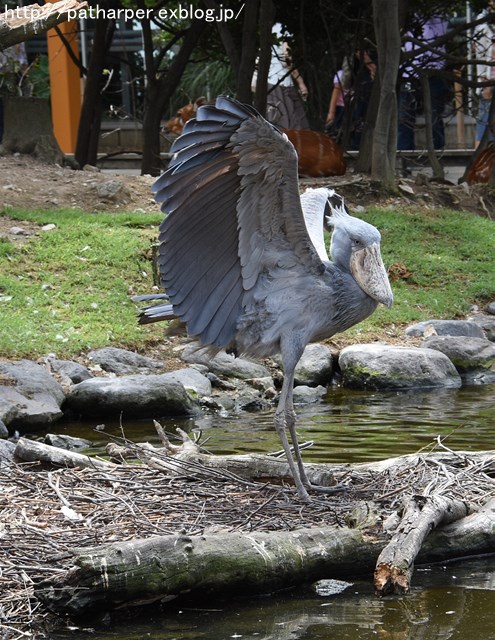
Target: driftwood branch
x,y
33,451
395,564
161,568
22,23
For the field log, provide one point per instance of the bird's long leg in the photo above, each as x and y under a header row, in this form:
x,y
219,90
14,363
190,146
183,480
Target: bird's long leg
x,y
290,423
291,350
285,418
281,421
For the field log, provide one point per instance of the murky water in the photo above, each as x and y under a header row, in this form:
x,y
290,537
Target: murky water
x,y
454,600
350,426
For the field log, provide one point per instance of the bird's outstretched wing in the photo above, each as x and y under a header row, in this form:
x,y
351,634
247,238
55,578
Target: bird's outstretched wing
x,y
230,192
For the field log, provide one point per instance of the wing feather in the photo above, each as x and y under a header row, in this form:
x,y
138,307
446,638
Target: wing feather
x,y
233,210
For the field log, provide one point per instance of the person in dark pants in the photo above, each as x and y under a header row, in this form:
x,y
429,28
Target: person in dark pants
x,y
410,93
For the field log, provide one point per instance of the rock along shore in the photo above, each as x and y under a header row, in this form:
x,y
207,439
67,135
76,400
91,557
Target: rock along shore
x,y
453,353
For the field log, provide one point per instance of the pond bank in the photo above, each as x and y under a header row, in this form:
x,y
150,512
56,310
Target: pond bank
x,y
447,354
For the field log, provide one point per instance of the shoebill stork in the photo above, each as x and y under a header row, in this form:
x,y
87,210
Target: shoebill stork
x,y
242,255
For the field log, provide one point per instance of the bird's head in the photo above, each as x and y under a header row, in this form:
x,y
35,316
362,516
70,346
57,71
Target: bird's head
x,y
355,246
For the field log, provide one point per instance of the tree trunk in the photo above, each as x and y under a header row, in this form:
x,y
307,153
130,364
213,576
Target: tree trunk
x,y
438,172
28,129
363,162
24,22
227,40
386,20
159,91
90,121
267,16
33,451
249,49
161,568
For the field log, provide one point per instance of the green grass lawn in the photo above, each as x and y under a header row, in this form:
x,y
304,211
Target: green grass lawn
x,y
67,291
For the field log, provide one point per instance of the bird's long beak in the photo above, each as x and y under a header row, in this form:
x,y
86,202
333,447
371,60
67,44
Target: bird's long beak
x,y
369,272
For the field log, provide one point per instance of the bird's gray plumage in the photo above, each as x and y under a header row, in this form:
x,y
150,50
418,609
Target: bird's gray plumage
x,y
242,255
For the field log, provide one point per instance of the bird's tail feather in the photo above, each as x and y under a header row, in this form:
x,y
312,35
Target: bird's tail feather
x,y
156,312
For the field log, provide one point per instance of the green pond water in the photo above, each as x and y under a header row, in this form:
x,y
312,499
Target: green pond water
x,y
454,600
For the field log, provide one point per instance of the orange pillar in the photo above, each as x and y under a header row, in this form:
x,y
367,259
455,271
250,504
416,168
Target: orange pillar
x,y
65,86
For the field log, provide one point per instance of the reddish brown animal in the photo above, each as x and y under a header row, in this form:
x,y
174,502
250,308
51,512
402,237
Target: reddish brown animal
x,y
482,168
318,154
185,113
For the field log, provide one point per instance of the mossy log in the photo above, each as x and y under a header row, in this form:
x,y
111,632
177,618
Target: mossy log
x,y
164,567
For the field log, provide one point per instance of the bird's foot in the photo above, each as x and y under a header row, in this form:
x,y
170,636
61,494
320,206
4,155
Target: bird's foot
x,y
334,489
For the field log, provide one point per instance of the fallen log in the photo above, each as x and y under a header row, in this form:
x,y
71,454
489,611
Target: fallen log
x,y
34,451
422,514
22,23
162,568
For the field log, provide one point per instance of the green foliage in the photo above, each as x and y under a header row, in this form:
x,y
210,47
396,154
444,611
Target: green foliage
x,y
39,77
67,290
204,79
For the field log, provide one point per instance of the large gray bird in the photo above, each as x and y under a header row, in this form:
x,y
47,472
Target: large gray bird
x,y
242,254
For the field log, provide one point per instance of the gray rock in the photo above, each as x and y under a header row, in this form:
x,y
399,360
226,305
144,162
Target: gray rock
x,y
224,364
445,328
373,366
112,190
4,432
474,358
490,308
486,323
68,369
315,366
123,362
69,443
263,384
28,395
192,380
7,450
136,395
307,395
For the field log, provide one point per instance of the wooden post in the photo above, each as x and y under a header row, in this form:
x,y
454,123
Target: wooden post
x,y
65,86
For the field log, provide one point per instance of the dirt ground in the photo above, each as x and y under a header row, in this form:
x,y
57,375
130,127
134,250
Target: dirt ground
x,y
27,183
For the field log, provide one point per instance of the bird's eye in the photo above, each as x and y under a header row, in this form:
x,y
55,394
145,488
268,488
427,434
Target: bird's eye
x,y
357,243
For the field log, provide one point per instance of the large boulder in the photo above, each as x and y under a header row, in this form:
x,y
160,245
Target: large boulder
x,y
446,328
153,395
486,322
224,364
29,396
474,358
315,366
376,366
